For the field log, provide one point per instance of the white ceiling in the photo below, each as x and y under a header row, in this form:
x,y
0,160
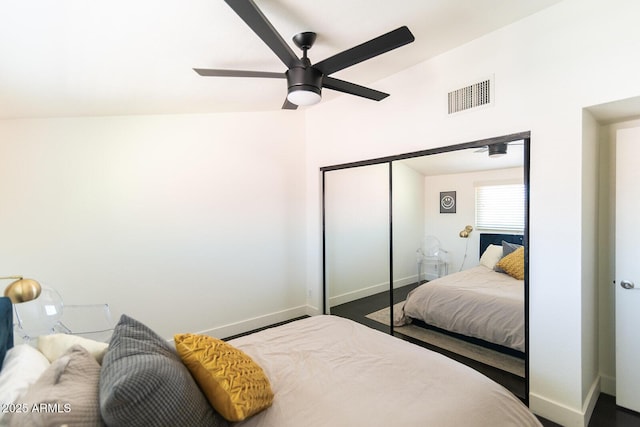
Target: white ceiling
x,y
79,58
468,160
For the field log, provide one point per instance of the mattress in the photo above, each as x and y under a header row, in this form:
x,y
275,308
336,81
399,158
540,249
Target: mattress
x,y
477,302
330,371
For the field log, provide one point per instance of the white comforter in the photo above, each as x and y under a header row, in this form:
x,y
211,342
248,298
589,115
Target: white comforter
x,y
326,371
477,302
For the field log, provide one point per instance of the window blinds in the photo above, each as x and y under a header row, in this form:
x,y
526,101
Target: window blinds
x,y
500,207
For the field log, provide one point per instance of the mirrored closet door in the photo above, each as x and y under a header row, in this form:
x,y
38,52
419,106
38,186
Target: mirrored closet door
x,y
396,225
356,237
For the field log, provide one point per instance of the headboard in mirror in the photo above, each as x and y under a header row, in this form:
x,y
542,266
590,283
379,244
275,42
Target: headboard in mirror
x,y
487,239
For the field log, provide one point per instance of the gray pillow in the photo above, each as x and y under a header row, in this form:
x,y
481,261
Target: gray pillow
x,y
65,394
507,248
144,383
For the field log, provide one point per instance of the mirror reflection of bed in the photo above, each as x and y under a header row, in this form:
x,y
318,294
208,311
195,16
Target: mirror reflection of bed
x,y
426,248
483,304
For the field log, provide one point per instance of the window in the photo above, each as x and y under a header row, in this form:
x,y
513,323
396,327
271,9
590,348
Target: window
x,y
500,207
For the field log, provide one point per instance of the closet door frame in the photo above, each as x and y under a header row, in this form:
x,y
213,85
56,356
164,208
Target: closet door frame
x,y
524,136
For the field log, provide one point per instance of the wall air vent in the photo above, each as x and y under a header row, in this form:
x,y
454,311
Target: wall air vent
x,y
475,95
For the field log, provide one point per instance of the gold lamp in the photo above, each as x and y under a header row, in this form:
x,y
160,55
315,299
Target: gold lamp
x,y
21,289
465,233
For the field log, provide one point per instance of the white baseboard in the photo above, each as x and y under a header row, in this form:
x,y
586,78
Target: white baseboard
x,y
554,411
591,400
404,281
312,311
360,293
370,290
562,414
247,325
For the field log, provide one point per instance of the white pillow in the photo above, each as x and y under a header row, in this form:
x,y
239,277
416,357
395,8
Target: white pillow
x,y
22,366
491,256
55,345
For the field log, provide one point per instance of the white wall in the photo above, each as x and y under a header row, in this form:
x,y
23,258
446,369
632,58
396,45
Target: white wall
x,y
547,68
408,222
189,222
606,261
589,292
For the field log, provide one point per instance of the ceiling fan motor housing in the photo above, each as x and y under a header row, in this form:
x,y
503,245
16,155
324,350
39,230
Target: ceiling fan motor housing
x,y
304,78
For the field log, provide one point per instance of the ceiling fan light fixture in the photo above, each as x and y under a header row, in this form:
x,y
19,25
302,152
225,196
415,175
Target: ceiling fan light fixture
x,y
497,150
304,85
304,95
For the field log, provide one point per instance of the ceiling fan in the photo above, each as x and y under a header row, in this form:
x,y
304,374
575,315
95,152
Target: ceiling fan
x,y
497,149
304,80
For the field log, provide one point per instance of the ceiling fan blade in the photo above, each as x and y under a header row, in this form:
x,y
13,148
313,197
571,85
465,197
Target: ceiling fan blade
x,y
249,12
353,89
366,50
238,73
289,105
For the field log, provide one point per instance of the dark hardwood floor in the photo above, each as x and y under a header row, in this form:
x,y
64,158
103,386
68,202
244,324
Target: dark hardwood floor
x,y
606,413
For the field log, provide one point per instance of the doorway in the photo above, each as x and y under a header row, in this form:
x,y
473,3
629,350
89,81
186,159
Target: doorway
x,y
627,271
608,120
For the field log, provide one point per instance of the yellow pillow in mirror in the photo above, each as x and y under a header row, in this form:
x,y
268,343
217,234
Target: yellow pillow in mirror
x,y
234,384
513,264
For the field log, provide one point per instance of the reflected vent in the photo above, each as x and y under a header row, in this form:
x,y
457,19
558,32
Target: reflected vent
x,y
472,96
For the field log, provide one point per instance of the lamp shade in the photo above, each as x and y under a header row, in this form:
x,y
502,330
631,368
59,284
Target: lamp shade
x,y
465,233
22,290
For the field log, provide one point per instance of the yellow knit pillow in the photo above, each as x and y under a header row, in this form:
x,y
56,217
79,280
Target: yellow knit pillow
x,y
234,384
513,264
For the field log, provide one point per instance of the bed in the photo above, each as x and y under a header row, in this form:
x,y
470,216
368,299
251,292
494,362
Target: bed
x,y
319,371
484,302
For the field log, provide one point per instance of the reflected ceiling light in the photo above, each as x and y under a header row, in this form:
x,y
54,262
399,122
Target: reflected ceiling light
x,y
497,150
